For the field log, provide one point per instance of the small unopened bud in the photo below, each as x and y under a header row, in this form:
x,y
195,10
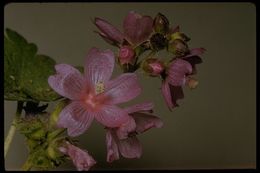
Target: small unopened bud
x,y
158,41
180,36
126,55
160,24
178,47
32,143
153,67
51,152
55,114
53,148
192,83
38,134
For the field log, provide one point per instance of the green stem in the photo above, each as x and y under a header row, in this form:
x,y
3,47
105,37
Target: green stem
x,y
11,132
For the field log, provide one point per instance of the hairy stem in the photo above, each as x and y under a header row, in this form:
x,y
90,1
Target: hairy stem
x,y
11,132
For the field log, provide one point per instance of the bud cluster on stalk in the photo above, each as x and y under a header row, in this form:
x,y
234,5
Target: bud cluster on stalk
x,y
142,38
43,138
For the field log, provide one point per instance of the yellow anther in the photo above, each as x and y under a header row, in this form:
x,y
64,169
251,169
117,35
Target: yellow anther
x,y
100,87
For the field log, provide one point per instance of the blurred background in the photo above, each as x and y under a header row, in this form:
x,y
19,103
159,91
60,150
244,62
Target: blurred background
x,y
215,125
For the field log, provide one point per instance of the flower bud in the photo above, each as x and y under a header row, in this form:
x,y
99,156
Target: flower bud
x,y
32,143
180,36
126,55
38,134
153,67
192,83
29,125
178,47
55,114
158,41
51,152
160,24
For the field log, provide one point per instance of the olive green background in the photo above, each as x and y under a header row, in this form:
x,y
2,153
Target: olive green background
x,y
215,125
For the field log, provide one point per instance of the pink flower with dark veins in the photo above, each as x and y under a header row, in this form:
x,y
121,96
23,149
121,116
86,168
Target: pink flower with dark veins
x,y
93,95
136,29
123,139
178,75
80,158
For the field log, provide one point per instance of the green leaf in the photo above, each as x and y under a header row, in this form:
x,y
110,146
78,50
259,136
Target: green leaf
x,y
25,72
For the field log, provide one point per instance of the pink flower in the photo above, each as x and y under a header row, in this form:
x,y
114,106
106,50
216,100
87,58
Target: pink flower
x,y
178,75
136,29
126,55
123,139
93,95
80,158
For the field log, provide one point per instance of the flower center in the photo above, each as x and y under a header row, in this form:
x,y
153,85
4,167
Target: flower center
x,y
94,99
100,87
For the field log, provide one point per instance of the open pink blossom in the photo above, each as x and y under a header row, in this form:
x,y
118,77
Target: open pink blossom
x,y
123,139
80,158
93,95
178,75
136,29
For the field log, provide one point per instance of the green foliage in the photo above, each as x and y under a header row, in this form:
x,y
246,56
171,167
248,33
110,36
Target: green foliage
x,y
25,72
42,142
39,159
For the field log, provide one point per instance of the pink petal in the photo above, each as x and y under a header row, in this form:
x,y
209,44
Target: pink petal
x,y
177,71
176,94
137,28
147,106
125,129
196,52
81,158
111,116
130,147
122,89
63,150
111,32
75,118
167,94
146,121
107,39
193,58
112,149
68,81
99,65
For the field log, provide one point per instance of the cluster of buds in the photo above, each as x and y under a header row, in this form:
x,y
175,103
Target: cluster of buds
x,y
42,143
144,33
43,138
